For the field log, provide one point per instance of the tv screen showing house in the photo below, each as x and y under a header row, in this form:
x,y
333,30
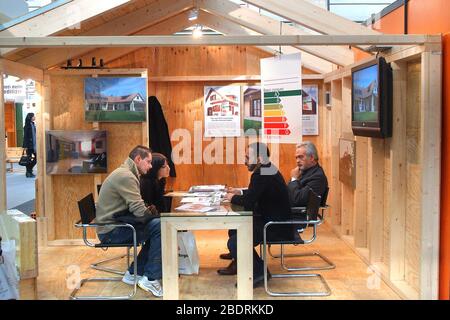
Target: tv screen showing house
x,y
76,152
121,99
365,94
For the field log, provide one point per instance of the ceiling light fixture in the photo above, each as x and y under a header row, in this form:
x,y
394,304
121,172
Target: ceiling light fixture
x,y
193,14
197,32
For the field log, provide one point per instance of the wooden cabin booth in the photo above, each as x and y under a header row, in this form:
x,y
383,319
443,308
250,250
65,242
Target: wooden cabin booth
x,y
386,219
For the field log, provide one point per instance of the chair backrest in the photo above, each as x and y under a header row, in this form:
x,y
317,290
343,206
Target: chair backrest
x,y
312,208
323,201
87,209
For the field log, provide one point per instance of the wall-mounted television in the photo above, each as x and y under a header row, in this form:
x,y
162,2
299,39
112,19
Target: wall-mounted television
x,y
372,99
76,152
115,99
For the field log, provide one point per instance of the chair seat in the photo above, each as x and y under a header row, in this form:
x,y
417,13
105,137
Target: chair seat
x,y
113,245
297,240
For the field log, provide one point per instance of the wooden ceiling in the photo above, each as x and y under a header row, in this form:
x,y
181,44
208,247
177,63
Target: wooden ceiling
x,y
165,17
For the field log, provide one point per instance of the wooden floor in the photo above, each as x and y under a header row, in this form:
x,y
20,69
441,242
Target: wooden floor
x,y
352,279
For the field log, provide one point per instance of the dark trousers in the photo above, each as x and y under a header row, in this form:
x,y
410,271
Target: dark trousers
x,y
258,263
31,152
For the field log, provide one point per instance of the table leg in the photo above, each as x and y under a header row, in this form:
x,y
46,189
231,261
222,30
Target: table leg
x,y
245,260
169,252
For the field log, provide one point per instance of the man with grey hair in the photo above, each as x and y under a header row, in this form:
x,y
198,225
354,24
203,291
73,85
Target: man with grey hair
x,y
307,175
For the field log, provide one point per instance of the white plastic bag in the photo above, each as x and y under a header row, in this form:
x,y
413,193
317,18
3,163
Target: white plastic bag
x,y
188,262
9,279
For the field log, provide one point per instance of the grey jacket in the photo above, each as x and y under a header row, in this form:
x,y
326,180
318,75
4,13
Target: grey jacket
x,y
120,191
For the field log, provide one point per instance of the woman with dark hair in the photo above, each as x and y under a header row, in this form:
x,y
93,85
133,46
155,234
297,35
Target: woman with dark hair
x,y
29,142
153,183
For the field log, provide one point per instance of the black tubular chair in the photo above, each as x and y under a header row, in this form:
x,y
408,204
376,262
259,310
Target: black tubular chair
x,y
87,214
321,216
98,265
310,218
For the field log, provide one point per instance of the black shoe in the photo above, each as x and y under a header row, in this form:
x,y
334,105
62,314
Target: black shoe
x,y
230,270
226,256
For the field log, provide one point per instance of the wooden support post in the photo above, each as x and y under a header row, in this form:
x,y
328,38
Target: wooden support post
x,y
375,198
2,149
47,194
430,175
360,199
335,188
398,150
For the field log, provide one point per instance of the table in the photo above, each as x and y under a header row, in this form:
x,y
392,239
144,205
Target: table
x,y
227,217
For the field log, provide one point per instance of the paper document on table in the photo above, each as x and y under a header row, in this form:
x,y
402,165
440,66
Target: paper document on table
x,y
200,200
207,188
195,207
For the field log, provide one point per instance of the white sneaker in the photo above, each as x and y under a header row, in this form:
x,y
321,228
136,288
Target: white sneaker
x,y
151,286
128,278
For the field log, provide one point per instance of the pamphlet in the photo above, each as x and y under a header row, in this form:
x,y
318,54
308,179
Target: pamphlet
x,y
195,207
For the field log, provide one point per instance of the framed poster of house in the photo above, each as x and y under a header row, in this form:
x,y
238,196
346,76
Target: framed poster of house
x,y
310,110
252,110
115,99
222,111
347,162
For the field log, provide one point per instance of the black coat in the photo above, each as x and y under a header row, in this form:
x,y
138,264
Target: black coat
x,y
152,191
159,132
28,136
313,178
267,196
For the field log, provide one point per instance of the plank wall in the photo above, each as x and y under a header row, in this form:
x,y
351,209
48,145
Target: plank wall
x,y
182,104
381,217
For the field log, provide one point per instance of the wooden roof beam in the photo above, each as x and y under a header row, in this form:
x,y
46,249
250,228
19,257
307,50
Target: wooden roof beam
x,y
20,70
313,17
265,25
130,23
230,28
263,40
60,18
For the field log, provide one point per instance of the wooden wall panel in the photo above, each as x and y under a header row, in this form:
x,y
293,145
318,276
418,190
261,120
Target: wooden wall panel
x,y
414,189
67,110
182,104
335,184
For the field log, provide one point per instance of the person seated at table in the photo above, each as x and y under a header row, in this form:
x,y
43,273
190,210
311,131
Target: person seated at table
x,y
267,196
120,198
308,174
153,183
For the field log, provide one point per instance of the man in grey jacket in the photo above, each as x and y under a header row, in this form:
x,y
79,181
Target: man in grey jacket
x,y
120,194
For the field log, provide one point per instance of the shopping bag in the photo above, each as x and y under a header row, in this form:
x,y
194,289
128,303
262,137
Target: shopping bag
x,y
25,159
9,279
188,262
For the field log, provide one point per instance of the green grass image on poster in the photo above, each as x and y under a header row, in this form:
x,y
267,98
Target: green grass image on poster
x,y
128,116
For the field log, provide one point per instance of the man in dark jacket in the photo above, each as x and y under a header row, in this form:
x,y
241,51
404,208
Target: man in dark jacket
x,y
29,143
267,196
307,175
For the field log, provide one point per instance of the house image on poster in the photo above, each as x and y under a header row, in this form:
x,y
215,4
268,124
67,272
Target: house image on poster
x,y
221,104
97,102
366,98
252,103
309,104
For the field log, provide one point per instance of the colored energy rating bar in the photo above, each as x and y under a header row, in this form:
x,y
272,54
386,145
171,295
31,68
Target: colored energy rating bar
x,y
273,113
274,106
282,132
272,100
274,119
274,125
286,93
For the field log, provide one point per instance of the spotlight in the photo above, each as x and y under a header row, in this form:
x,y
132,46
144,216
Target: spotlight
x,y
193,14
69,63
101,63
197,32
80,63
94,63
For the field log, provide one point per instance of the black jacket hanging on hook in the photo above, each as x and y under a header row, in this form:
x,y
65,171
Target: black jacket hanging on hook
x,y
159,132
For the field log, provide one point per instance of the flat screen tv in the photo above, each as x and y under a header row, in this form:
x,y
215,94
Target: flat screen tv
x,y
76,152
115,99
372,99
